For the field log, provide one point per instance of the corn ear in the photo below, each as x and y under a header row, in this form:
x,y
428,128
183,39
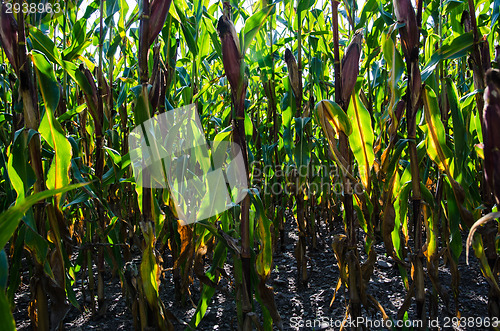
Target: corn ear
x,y
465,21
293,73
231,55
8,36
484,48
159,11
491,134
405,14
350,67
92,100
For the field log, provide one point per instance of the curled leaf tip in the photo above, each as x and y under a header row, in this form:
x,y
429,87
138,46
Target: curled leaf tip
x,y
330,112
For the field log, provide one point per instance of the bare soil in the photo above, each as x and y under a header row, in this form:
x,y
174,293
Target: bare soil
x,y
301,308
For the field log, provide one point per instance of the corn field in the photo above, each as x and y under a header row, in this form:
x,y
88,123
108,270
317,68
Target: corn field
x,y
354,125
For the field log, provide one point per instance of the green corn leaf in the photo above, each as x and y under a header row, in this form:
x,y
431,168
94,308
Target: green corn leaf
x,y
45,45
459,130
302,150
219,258
252,26
80,41
189,34
112,7
8,323
431,243
4,271
248,124
454,222
187,29
478,245
369,8
11,217
304,5
435,140
209,27
289,109
50,129
401,210
457,48
37,245
121,21
362,137
395,62
21,175
331,112
264,259
78,76
49,87
79,31
76,51
149,267
142,110
439,152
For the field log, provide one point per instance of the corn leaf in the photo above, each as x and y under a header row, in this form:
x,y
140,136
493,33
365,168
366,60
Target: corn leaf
x,y
11,217
149,267
361,139
4,271
302,149
8,323
21,175
252,26
435,141
50,129
45,45
439,152
454,222
457,48
459,129
219,257
264,259
331,112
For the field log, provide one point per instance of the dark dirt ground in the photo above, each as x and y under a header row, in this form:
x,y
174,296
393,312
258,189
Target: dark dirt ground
x,y
311,302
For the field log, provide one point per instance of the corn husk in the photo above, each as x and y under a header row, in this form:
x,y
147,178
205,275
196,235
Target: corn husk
x,y
491,133
8,36
350,67
293,73
158,15
406,14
